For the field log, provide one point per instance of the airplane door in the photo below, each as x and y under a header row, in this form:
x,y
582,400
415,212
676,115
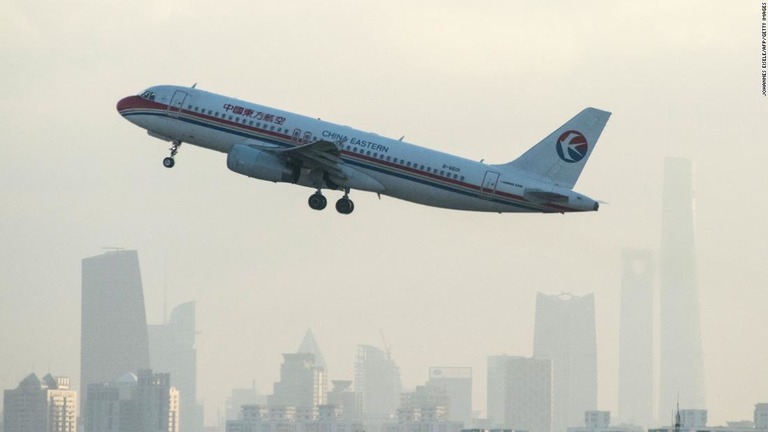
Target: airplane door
x,y
489,184
177,102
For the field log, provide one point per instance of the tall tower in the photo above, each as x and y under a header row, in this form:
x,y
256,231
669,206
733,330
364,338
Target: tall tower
x,y
682,368
565,333
172,350
114,325
636,338
309,346
377,379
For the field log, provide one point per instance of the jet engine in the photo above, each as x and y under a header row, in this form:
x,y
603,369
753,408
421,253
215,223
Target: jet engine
x,y
261,164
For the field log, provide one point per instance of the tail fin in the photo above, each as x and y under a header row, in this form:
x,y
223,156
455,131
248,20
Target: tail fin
x,y
561,156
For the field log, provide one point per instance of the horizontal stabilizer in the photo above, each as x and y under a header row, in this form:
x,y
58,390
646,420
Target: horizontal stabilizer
x,y
545,197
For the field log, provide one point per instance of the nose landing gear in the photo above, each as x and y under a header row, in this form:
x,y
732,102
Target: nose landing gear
x,y
169,162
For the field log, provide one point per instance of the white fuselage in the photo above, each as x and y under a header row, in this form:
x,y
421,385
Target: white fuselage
x,y
400,170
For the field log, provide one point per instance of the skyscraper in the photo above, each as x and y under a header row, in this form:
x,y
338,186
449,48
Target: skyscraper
x,y
40,405
301,382
636,338
377,379
172,350
114,325
520,393
309,345
565,333
457,382
681,365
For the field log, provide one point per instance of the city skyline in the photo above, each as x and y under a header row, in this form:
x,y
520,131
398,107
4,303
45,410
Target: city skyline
x,y
445,288
180,327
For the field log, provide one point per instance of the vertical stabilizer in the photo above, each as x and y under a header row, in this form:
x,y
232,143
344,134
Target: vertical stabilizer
x,y
561,156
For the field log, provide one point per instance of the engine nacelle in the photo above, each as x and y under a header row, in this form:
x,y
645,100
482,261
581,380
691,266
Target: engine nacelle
x,y
261,165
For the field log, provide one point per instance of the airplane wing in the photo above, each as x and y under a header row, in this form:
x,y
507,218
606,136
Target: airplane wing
x,y
323,155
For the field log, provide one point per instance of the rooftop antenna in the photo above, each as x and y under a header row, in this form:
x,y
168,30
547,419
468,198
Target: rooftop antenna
x,y
194,85
678,423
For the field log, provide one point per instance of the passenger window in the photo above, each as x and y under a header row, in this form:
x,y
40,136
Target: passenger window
x,y
408,164
421,167
388,158
375,155
462,178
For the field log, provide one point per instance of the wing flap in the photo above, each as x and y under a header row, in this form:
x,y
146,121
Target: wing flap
x,y
324,155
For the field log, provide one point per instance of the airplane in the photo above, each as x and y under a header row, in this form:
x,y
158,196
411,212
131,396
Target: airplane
x,y
278,146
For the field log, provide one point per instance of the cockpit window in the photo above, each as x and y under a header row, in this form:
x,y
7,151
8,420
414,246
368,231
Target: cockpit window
x,y
149,95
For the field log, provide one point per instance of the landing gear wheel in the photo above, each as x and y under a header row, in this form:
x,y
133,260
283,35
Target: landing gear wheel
x,y
317,201
345,206
169,162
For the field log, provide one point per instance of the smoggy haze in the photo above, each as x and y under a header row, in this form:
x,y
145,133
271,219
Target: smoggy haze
x,y
482,80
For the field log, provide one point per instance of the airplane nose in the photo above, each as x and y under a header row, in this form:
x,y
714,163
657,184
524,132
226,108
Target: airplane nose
x,y
125,103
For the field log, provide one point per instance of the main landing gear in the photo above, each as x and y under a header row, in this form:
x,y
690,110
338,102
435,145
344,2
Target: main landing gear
x,y
344,205
169,162
317,201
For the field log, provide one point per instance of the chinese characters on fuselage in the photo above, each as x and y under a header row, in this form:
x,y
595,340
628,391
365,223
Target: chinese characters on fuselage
x,y
258,115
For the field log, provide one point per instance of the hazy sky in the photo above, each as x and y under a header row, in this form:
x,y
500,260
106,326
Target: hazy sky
x,y
480,79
